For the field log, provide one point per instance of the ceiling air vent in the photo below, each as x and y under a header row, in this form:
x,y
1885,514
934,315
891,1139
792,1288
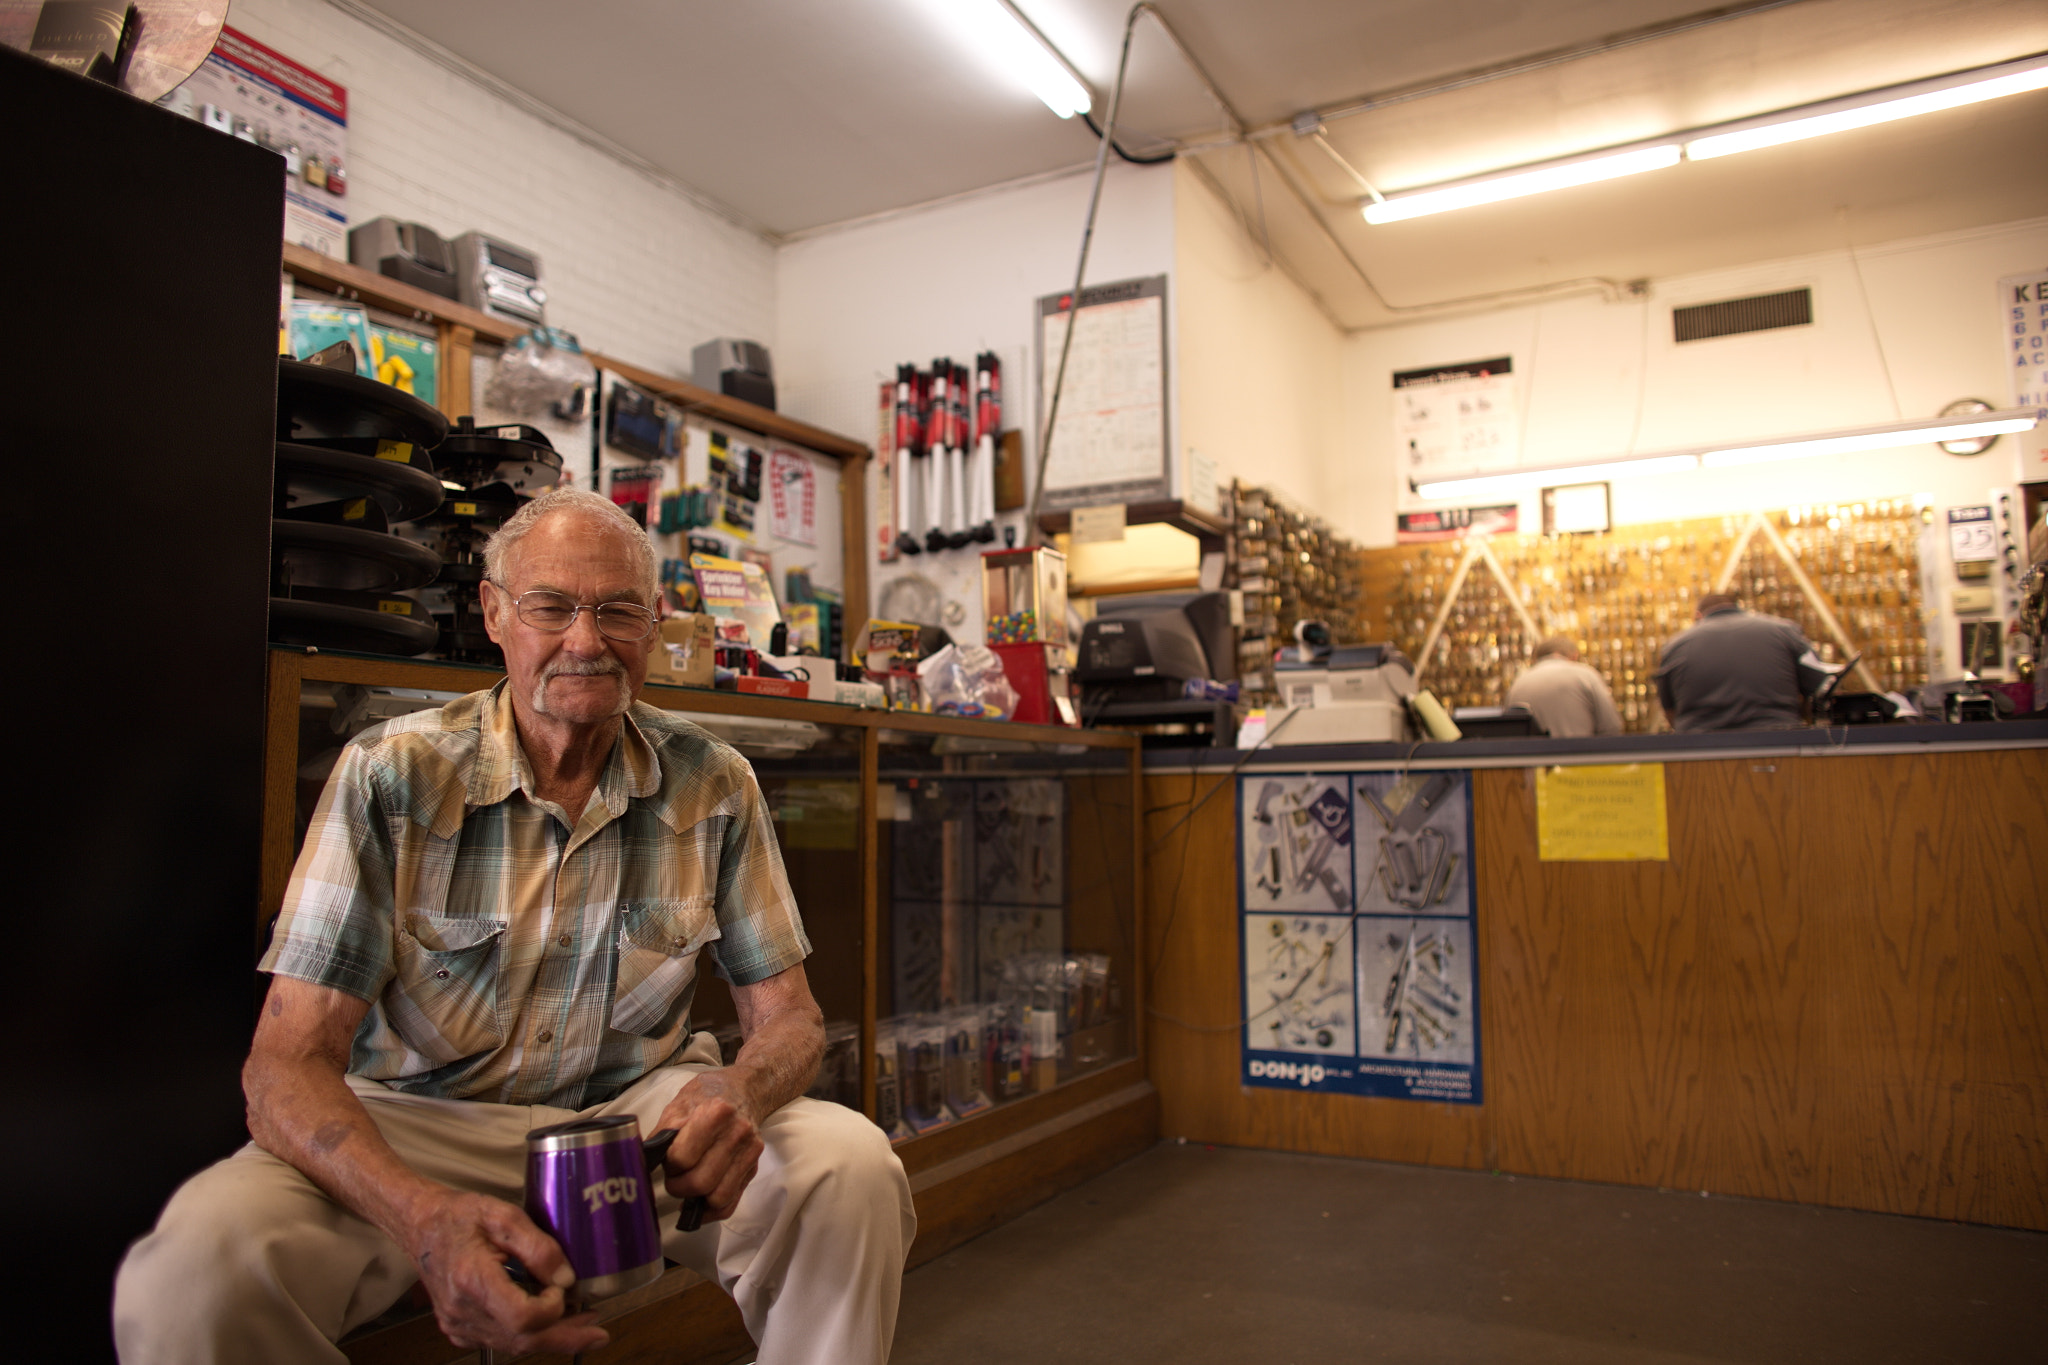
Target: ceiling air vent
x,y
1732,317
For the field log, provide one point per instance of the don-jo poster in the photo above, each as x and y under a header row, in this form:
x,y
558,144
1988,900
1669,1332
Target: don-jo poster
x,y
1356,934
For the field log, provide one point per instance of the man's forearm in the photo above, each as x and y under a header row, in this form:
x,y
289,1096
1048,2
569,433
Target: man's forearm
x,y
302,1112
779,1060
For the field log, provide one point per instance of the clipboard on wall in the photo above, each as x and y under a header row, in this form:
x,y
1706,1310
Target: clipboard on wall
x,y
1110,443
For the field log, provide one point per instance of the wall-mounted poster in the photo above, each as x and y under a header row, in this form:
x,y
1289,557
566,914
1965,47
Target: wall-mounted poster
x,y
1358,934
1456,419
2024,299
1109,442
265,97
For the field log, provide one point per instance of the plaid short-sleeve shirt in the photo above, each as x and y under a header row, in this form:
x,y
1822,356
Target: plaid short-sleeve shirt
x,y
506,955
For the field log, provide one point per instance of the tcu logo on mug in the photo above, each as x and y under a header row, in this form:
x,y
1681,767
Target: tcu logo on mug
x,y
619,1189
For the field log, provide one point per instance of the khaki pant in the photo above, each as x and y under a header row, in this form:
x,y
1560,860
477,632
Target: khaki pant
x,y
250,1262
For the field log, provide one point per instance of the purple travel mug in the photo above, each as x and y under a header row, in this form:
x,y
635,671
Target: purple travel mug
x,y
590,1184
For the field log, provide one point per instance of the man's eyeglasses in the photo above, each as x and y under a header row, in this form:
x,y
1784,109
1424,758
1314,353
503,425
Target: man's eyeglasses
x,y
555,613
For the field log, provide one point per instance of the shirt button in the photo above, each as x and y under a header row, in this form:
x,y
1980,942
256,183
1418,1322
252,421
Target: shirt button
x,y
563,940
547,1035
441,975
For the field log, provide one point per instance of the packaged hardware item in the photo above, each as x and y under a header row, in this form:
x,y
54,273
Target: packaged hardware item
x,y
1042,1045
889,1082
967,680
543,371
1003,1042
839,1072
966,1062
924,1073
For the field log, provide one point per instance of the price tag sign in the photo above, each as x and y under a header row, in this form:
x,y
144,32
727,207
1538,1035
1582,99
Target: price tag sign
x,y
1972,538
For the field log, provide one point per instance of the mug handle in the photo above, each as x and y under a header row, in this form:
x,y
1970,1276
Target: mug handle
x,y
655,1149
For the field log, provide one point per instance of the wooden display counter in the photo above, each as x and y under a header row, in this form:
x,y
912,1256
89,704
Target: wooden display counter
x,y
1834,992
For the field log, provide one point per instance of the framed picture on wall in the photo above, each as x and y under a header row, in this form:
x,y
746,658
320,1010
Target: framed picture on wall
x,y
1578,508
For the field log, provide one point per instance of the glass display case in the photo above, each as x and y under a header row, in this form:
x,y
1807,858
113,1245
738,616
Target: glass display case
x,y
1008,891
970,888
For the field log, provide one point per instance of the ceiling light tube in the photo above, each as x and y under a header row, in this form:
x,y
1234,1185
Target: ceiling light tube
x,y
1700,144
1871,107
1889,437
1515,184
1519,480
1926,430
1003,30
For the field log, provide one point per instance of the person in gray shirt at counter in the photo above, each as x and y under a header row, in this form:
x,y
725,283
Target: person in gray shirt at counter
x,y
1568,699
1737,670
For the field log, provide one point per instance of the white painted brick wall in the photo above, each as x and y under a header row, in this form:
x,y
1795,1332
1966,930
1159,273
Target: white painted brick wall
x,y
633,266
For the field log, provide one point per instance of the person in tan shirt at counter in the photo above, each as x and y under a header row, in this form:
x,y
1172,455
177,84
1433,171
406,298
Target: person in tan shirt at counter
x,y
1569,699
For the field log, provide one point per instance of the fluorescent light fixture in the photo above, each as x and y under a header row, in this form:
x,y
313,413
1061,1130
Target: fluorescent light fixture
x,y
1890,437
1514,184
1699,144
1872,107
1517,480
1001,31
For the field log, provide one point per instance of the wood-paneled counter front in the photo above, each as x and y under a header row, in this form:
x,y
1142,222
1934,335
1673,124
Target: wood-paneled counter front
x,y
1834,992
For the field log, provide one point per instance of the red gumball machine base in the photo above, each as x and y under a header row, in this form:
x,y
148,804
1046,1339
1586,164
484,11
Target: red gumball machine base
x,y
1044,683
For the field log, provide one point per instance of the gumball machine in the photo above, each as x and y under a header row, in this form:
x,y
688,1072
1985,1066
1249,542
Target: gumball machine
x,y
1024,597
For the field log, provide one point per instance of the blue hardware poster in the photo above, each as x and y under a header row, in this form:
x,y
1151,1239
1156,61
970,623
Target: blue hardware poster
x,y
1357,934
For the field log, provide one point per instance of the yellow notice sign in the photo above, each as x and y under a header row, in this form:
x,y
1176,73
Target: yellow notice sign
x,y
1610,813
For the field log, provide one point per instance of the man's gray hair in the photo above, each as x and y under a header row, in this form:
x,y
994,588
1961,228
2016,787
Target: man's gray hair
x,y
577,502
1559,645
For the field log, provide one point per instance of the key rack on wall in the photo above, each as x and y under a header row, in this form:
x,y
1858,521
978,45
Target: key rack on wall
x,y
1847,574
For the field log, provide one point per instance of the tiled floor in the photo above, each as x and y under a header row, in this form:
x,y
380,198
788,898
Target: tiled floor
x,y
1194,1255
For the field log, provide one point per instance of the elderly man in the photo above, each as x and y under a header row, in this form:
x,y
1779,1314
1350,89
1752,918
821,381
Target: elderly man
x,y
495,926
1568,699
1737,670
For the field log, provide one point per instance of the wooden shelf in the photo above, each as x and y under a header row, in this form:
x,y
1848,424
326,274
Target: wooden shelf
x,y
740,414
1206,527
367,286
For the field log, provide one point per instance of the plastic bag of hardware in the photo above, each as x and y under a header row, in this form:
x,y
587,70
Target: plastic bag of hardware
x,y
543,372
967,680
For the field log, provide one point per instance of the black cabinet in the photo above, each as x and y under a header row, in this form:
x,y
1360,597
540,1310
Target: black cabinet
x,y
141,277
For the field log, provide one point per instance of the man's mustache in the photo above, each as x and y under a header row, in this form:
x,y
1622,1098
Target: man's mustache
x,y
583,668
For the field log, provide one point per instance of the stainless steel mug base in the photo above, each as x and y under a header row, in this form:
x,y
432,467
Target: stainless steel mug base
x,y
600,1287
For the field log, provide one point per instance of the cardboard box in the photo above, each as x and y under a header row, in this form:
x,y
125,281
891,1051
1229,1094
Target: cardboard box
x,y
683,651
777,687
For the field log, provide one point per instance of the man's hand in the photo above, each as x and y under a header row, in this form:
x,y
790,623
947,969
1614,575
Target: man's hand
x,y
718,1142
718,1116
461,1243
301,1110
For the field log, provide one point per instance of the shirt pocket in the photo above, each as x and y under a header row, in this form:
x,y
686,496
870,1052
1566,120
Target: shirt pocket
x,y
447,978
658,945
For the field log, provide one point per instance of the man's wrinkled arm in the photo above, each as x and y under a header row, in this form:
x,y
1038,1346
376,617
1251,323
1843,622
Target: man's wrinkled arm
x,y
784,1039
719,1114
302,1111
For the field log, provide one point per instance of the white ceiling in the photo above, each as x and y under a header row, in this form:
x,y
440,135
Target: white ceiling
x,y
802,113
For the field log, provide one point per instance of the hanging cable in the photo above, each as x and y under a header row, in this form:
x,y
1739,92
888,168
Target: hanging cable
x,y
1032,533
1117,147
